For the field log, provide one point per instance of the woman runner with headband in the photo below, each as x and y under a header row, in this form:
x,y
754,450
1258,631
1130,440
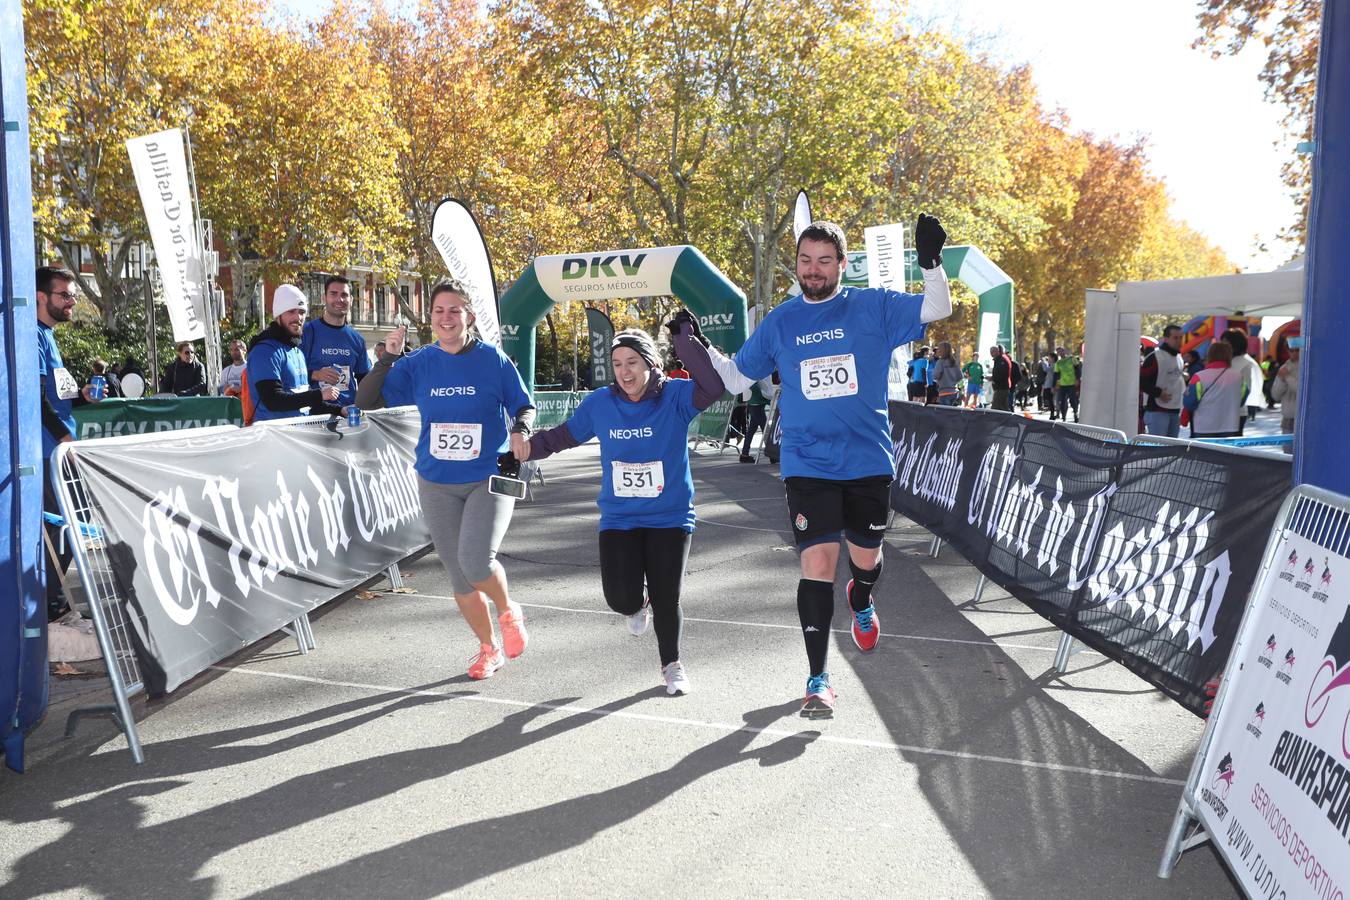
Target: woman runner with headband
x,y
647,492
467,392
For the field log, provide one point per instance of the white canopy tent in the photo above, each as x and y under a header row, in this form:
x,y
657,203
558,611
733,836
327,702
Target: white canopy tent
x,y
1110,393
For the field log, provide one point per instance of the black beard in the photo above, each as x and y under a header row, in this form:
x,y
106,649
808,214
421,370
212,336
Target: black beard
x,y
829,288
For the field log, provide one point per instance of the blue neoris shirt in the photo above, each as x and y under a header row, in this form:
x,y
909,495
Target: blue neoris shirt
x,y
341,347
466,401
644,456
834,359
60,385
271,360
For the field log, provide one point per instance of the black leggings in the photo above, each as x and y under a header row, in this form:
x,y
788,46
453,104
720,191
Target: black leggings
x,y
655,557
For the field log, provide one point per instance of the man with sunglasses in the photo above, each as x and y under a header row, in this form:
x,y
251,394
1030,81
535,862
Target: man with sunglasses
x,y
185,376
56,303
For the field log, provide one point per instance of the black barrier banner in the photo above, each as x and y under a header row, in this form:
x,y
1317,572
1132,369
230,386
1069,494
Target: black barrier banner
x,y
1144,553
218,540
773,436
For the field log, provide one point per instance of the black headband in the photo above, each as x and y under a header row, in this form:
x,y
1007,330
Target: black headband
x,y
639,344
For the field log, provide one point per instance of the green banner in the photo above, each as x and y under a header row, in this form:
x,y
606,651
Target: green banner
x,y
115,417
552,408
711,424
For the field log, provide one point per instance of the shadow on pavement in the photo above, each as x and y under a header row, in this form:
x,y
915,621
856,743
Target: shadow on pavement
x,y
134,859
457,857
1027,831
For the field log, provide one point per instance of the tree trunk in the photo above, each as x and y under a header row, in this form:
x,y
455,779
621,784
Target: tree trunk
x,y
553,338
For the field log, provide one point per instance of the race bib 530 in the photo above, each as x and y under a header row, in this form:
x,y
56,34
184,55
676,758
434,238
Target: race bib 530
x,y
829,376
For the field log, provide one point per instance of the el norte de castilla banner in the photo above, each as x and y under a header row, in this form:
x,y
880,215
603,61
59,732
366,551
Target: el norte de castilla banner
x,y
1144,553
219,539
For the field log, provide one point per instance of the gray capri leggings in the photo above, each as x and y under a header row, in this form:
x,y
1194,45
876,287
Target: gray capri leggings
x,y
467,524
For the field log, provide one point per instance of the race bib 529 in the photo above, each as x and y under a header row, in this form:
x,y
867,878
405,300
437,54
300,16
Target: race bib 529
x,y
456,442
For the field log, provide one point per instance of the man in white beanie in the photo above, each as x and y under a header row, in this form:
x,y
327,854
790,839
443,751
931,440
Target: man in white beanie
x,y
278,378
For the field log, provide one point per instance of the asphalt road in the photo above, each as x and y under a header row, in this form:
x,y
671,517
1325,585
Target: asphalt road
x,y
959,764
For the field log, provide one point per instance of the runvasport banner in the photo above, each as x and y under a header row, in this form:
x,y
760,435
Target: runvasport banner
x,y
1144,553
218,540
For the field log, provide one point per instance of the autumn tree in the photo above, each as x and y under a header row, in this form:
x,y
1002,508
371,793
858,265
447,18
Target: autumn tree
x,y
95,80
794,118
1291,32
531,169
296,153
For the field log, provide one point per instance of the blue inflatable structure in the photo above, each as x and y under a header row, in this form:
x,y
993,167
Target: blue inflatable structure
x,y
23,609
1323,427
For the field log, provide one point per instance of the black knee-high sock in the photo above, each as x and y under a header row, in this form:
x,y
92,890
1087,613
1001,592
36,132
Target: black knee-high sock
x,y
815,608
863,581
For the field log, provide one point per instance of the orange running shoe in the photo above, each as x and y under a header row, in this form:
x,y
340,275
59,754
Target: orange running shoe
x,y
514,635
488,660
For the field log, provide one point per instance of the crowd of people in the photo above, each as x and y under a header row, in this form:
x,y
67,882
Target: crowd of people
x,y
830,347
1219,396
936,376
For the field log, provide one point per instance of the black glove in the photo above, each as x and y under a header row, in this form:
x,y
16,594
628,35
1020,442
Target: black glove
x,y
928,240
683,317
508,465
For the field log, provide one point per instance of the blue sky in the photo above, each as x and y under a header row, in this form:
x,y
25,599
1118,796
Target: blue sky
x,y
1127,69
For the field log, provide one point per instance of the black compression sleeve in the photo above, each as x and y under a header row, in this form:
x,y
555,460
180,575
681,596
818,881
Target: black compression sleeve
x,y
524,422
50,420
274,398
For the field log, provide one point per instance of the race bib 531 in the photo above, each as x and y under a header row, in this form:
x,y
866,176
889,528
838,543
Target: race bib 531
x,y
645,479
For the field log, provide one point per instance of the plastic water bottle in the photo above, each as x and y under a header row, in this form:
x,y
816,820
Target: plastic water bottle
x,y
98,387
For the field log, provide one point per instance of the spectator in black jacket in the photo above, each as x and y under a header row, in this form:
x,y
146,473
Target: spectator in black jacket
x,y
1001,379
185,376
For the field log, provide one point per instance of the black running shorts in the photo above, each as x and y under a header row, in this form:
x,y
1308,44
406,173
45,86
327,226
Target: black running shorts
x,y
820,509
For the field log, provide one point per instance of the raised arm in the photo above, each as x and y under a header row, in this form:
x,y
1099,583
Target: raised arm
x,y
693,350
929,237
370,389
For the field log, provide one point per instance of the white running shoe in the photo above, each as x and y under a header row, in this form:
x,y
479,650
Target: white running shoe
x,y
677,681
638,621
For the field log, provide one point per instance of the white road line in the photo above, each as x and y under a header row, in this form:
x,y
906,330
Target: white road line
x,y
703,521
890,634
716,726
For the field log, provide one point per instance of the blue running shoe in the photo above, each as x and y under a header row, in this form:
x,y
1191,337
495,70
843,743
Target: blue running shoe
x,y
819,703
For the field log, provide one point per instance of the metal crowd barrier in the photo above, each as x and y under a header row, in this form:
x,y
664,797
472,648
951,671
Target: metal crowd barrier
x,y
85,529
1221,444
1068,646
1285,442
